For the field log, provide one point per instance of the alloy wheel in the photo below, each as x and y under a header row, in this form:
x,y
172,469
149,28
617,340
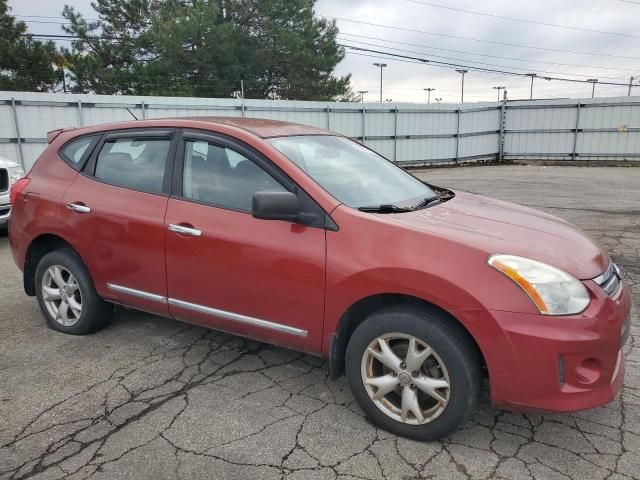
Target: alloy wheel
x,y
405,378
61,295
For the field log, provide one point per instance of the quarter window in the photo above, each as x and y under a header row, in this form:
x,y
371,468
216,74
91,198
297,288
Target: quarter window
x,y
138,164
222,177
76,151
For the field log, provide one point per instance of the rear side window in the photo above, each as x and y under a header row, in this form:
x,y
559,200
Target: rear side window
x,y
75,152
135,163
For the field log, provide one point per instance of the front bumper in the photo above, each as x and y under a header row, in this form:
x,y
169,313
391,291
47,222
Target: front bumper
x,y
5,210
555,364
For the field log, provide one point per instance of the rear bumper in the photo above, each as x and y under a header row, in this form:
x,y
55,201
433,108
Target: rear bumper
x,y
555,364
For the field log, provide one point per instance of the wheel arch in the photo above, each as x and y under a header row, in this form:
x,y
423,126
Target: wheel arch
x,y
363,308
38,248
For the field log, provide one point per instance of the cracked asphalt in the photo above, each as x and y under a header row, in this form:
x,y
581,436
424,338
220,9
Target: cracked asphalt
x,y
154,398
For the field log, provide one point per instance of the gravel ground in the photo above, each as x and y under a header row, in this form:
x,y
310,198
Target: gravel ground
x,y
154,398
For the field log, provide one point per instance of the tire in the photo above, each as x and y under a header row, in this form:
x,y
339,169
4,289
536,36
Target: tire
x,y
454,360
94,313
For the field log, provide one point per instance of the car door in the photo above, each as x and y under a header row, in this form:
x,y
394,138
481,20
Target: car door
x,y
227,270
115,211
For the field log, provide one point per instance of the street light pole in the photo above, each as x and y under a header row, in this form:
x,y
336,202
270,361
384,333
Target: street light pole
x,y
499,88
439,99
532,75
462,72
630,85
428,90
381,65
593,82
362,92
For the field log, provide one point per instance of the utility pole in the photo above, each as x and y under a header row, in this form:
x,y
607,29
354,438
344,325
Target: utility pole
x,y
381,65
362,92
428,90
499,88
532,75
462,72
593,82
630,85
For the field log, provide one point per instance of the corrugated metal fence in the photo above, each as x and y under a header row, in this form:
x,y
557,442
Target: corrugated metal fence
x,y
411,134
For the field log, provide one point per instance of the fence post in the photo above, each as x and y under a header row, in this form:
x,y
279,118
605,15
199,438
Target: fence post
x,y
503,122
364,122
80,117
242,98
457,135
16,127
575,133
395,135
144,115
328,110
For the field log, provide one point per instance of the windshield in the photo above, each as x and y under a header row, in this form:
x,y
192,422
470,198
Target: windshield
x,y
353,174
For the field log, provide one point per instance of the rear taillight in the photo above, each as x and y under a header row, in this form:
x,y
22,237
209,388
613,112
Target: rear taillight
x,y
16,188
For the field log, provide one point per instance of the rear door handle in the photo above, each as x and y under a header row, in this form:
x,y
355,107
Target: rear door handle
x,y
78,207
192,232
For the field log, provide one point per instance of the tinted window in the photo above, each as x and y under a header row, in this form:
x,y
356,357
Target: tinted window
x,y
138,164
222,177
77,150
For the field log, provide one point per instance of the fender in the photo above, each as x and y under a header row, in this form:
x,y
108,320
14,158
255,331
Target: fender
x,y
348,291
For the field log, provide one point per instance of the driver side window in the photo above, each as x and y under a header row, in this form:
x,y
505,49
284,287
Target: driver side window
x,y
222,177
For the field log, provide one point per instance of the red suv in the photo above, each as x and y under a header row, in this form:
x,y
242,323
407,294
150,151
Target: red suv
x,y
297,236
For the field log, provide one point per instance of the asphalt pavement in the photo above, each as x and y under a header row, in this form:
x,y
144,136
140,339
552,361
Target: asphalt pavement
x,y
154,398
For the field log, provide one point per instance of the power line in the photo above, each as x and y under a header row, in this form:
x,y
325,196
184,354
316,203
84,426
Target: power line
x,y
46,21
487,54
522,20
439,34
51,17
414,60
60,36
471,67
492,42
471,61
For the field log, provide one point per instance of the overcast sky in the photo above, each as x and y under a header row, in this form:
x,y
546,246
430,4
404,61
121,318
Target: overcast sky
x,y
427,31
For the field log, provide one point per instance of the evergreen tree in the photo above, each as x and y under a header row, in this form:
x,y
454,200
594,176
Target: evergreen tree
x,y
25,63
205,47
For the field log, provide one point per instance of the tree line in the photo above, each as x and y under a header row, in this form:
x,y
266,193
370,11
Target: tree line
x,y
274,48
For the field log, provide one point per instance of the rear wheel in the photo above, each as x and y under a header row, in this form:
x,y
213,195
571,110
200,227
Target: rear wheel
x,y
67,296
413,373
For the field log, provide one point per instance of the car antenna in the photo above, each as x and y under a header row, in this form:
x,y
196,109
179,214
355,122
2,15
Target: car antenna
x,y
131,113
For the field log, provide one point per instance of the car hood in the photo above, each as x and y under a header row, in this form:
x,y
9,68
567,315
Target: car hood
x,y
495,226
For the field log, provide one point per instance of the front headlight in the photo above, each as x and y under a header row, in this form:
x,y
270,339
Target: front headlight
x,y
15,173
553,291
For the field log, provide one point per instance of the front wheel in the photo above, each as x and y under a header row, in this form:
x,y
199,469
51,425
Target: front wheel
x,y
413,372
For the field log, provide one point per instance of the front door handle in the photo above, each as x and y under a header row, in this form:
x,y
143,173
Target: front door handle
x,y
78,207
192,232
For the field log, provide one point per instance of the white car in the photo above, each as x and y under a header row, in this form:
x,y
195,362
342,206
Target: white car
x,y
10,171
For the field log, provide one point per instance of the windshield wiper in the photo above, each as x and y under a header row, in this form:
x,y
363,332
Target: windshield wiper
x,y
426,202
384,208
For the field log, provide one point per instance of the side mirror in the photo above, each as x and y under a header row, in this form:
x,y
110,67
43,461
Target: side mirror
x,y
273,205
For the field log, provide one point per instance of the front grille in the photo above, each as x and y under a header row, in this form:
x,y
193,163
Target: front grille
x,y
4,180
609,280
